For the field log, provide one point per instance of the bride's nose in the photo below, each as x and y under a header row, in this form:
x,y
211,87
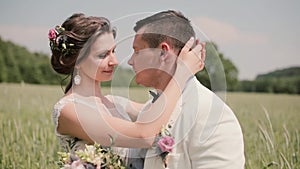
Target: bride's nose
x,y
113,60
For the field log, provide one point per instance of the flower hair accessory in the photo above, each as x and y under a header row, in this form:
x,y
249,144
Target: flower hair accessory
x,y
58,41
164,143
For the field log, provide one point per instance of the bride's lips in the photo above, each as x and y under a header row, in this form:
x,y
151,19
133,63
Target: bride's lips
x,y
108,71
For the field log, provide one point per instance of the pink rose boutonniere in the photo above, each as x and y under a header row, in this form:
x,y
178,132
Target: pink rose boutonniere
x,y
165,143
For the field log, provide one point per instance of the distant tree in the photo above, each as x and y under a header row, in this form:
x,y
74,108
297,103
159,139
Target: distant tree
x,y
297,84
12,67
218,70
264,85
18,64
48,74
246,86
3,74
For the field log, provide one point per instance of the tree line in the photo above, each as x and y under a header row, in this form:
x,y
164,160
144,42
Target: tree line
x,y
279,81
17,65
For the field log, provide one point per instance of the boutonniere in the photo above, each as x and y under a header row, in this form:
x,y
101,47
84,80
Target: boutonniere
x,y
164,142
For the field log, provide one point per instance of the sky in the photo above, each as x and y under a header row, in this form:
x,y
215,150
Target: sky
x,y
258,36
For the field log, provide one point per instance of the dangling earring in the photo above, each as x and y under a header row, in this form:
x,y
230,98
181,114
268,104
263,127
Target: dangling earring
x,y
77,78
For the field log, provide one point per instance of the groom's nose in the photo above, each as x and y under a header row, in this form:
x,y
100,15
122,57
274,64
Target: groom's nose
x,y
130,61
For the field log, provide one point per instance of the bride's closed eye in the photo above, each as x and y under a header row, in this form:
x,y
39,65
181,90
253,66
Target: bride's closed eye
x,y
106,53
102,55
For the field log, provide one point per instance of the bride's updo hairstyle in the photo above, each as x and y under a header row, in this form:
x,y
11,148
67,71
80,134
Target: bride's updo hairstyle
x,y
70,43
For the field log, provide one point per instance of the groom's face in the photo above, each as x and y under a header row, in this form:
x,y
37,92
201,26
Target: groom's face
x,y
145,62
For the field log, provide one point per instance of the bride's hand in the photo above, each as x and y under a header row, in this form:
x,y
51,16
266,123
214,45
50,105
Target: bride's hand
x,y
193,60
189,62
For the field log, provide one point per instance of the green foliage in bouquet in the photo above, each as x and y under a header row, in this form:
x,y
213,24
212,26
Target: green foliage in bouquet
x,y
92,157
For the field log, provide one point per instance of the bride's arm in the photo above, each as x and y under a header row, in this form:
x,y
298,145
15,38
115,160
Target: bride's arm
x,y
130,107
133,109
88,124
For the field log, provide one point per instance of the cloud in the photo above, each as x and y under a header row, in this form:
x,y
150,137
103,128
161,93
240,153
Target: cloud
x,y
33,38
226,34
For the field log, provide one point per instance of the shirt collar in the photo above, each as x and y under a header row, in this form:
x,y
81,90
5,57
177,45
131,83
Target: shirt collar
x,y
156,95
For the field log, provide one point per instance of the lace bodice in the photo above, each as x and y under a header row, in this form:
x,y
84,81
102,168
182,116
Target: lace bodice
x,y
70,143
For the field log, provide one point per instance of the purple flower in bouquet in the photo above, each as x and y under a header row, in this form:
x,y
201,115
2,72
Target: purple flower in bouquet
x,y
92,157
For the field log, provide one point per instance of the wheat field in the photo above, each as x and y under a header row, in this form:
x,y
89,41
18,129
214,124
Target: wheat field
x,y
270,125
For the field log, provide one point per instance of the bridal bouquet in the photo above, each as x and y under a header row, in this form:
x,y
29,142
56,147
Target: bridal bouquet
x,y
92,157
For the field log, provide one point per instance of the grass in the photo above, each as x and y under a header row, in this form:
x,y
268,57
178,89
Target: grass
x,y
270,124
271,128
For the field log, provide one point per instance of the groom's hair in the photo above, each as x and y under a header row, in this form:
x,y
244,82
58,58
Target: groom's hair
x,y
170,26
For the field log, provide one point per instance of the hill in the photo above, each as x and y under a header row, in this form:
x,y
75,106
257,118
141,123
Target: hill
x,y
282,73
285,80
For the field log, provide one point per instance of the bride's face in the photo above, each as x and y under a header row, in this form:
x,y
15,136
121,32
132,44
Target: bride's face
x,y
101,60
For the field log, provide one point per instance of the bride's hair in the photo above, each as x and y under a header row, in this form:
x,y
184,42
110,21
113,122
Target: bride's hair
x,y
74,35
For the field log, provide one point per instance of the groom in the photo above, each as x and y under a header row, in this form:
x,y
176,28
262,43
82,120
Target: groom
x,y
207,134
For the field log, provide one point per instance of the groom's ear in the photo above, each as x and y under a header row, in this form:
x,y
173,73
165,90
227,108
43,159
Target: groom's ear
x,y
165,49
